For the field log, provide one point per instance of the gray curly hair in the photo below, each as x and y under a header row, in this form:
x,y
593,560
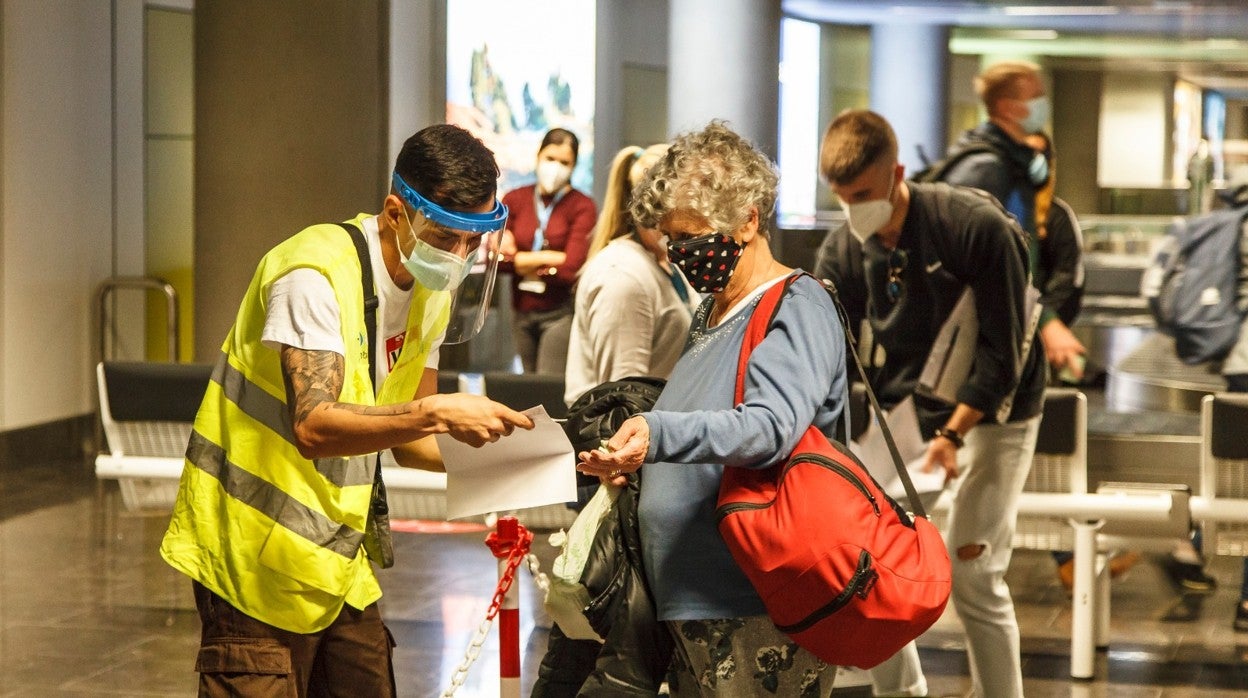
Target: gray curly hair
x,y
714,172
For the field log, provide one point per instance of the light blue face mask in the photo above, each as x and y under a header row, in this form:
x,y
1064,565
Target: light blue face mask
x,y
1038,169
1037,115
437,270
434,268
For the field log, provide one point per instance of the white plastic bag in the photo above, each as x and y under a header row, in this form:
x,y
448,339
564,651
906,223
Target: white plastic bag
x,y
566,597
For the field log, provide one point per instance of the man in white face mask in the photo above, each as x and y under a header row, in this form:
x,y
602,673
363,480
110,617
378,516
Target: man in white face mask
x,y
867,215
909,251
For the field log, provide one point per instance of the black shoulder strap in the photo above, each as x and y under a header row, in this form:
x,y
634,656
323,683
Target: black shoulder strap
x,y
937,171
851,348
377,542
916,504
370,293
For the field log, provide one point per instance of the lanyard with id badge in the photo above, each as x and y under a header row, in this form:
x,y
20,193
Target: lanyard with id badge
x,y
531,283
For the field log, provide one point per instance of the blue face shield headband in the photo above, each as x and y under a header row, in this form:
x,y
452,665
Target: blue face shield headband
x,y
491,222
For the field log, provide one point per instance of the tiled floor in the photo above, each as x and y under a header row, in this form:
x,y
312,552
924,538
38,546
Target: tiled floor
x,y
88,609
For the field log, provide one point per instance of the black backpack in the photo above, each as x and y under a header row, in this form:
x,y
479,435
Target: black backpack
x,y
937,171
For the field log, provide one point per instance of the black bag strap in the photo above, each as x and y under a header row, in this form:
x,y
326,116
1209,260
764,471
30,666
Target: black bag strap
x,y
916,506
370,324
370,294
937,171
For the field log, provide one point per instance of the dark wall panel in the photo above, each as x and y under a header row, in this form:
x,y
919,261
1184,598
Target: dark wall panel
x,y
290,116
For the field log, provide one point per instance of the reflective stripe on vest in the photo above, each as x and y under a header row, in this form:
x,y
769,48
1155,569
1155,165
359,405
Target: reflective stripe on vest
x,y
276,535
272,413
271,501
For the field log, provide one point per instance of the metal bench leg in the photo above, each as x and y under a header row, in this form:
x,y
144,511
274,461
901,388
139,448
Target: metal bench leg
x,y
1102,601
1083,601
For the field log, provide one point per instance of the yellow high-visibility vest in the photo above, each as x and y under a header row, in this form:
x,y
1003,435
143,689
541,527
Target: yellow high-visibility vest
x,y
276,535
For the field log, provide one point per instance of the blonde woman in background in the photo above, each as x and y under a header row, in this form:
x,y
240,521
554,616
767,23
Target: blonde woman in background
x,y
633,309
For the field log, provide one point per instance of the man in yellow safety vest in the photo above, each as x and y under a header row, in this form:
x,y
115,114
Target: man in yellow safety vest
x,y
324,368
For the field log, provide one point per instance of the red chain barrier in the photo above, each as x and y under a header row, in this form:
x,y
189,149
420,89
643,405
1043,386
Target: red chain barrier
x,y
510,540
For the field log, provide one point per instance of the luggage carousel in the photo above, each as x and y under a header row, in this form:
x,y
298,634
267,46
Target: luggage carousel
x,y
1144,425
1151,377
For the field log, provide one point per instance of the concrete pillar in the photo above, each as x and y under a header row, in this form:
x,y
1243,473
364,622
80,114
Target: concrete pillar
x,y
909,71
417,69
291,129
1076,133
724,58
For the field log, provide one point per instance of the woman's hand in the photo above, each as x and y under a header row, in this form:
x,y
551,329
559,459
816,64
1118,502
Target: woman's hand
x,y
623,453
539,262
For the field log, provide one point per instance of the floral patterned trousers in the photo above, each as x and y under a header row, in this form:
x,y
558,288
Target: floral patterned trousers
x,y
743,657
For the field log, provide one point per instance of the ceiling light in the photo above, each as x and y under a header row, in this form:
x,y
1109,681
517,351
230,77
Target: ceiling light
x,y
1057,10
1030,34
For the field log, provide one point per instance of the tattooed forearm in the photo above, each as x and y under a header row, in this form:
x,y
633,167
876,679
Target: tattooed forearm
x,y
377,411
312,378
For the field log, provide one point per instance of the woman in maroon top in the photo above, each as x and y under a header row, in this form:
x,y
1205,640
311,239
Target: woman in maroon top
x,y
543,248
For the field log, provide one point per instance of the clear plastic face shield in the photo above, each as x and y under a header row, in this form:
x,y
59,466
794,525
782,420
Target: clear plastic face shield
x,y
450,255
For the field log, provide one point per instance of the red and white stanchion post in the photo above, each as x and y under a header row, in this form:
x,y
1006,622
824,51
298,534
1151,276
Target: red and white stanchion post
x,y
508,533
510,544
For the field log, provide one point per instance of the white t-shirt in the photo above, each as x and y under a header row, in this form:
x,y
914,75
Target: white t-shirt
x,y
303,313
629,319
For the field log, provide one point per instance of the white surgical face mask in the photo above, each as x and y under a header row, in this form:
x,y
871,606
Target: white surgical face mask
x,y
437,270
865,218
552,176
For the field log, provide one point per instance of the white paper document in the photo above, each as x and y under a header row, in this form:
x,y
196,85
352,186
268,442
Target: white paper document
x,y
872,450
530,468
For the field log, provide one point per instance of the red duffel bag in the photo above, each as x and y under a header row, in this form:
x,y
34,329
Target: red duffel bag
x,y
842,568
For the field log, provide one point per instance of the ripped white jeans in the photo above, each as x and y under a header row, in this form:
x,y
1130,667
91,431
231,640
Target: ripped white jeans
x,y
993,467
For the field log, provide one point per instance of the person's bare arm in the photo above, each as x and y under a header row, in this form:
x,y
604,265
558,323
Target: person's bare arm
x,y
324,427
422,454
1061,347
539,260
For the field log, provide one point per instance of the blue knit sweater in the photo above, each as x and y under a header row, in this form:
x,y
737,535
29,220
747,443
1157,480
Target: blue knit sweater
x,y
795,378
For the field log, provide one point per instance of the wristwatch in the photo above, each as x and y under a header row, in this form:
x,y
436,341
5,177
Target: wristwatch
x,y
953,436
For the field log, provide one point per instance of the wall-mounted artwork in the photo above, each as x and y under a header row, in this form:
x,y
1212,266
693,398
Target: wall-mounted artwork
x,y
516,69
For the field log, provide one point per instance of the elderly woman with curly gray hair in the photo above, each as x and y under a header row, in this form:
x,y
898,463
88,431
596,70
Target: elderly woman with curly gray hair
x,y
713,195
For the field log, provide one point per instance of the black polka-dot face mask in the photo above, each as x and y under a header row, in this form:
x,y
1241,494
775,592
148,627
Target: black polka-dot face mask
x,y
707,260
